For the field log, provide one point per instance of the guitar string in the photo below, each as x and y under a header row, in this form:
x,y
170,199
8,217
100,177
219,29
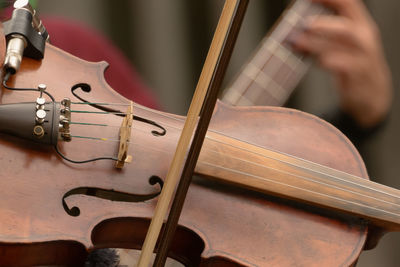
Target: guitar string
x,y
295,70
272,53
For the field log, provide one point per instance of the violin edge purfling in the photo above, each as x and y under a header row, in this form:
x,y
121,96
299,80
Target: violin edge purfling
x,y
229,121
32,74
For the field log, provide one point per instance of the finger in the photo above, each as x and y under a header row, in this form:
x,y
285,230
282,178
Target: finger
x,y
339,63
315,44
311,45
336,57
335,30
353,9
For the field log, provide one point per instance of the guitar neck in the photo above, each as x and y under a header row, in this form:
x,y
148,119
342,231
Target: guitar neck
x,y
275,69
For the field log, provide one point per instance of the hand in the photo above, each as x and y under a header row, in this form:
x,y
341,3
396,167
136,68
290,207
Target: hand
x,y
348,44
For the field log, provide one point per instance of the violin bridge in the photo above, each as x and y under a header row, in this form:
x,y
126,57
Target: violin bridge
x,y
124,138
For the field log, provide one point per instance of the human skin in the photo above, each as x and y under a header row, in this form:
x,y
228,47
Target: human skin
x,y
348,44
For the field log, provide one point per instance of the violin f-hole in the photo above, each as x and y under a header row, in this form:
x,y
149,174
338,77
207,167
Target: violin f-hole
x,y
87,88
110,194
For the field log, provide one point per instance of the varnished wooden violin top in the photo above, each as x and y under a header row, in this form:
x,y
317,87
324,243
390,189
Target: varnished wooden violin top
x,y
220,224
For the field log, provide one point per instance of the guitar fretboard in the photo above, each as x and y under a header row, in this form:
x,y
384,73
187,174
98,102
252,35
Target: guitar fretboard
x,y
271,75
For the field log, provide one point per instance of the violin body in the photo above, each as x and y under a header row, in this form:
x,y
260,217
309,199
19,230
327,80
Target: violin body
x,y
221,225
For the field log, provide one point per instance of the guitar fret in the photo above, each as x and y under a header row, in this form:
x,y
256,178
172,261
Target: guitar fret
x,y
232,96
275,69
279,50
251,71
284,54
264,81
292,17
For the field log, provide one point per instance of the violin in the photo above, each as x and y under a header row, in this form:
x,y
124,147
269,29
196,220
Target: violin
x,y
219,224
271,180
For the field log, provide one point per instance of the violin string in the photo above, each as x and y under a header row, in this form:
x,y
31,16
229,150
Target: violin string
x,y
175,118
166,115
290,164
269,83
273,51
304,178
179,128
285,80
298,176
83,124
136,106
94,138
100,103
89,124
98,112
113,139
278,171
316,192
173,127
178,119
76,125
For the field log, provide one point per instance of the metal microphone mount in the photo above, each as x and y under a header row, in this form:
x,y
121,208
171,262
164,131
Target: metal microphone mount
x,y
25,35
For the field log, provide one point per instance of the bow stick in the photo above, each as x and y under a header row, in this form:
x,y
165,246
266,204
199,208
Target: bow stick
x,y
200,111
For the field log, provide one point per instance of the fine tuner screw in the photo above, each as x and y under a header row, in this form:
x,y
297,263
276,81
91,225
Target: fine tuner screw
x,y
42,87
40,116
40,113
40,101
65,120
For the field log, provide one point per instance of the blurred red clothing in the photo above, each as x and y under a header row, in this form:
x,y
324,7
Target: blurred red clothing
x,y
84,42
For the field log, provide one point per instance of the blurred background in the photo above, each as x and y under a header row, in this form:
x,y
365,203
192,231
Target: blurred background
x,y
167,41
